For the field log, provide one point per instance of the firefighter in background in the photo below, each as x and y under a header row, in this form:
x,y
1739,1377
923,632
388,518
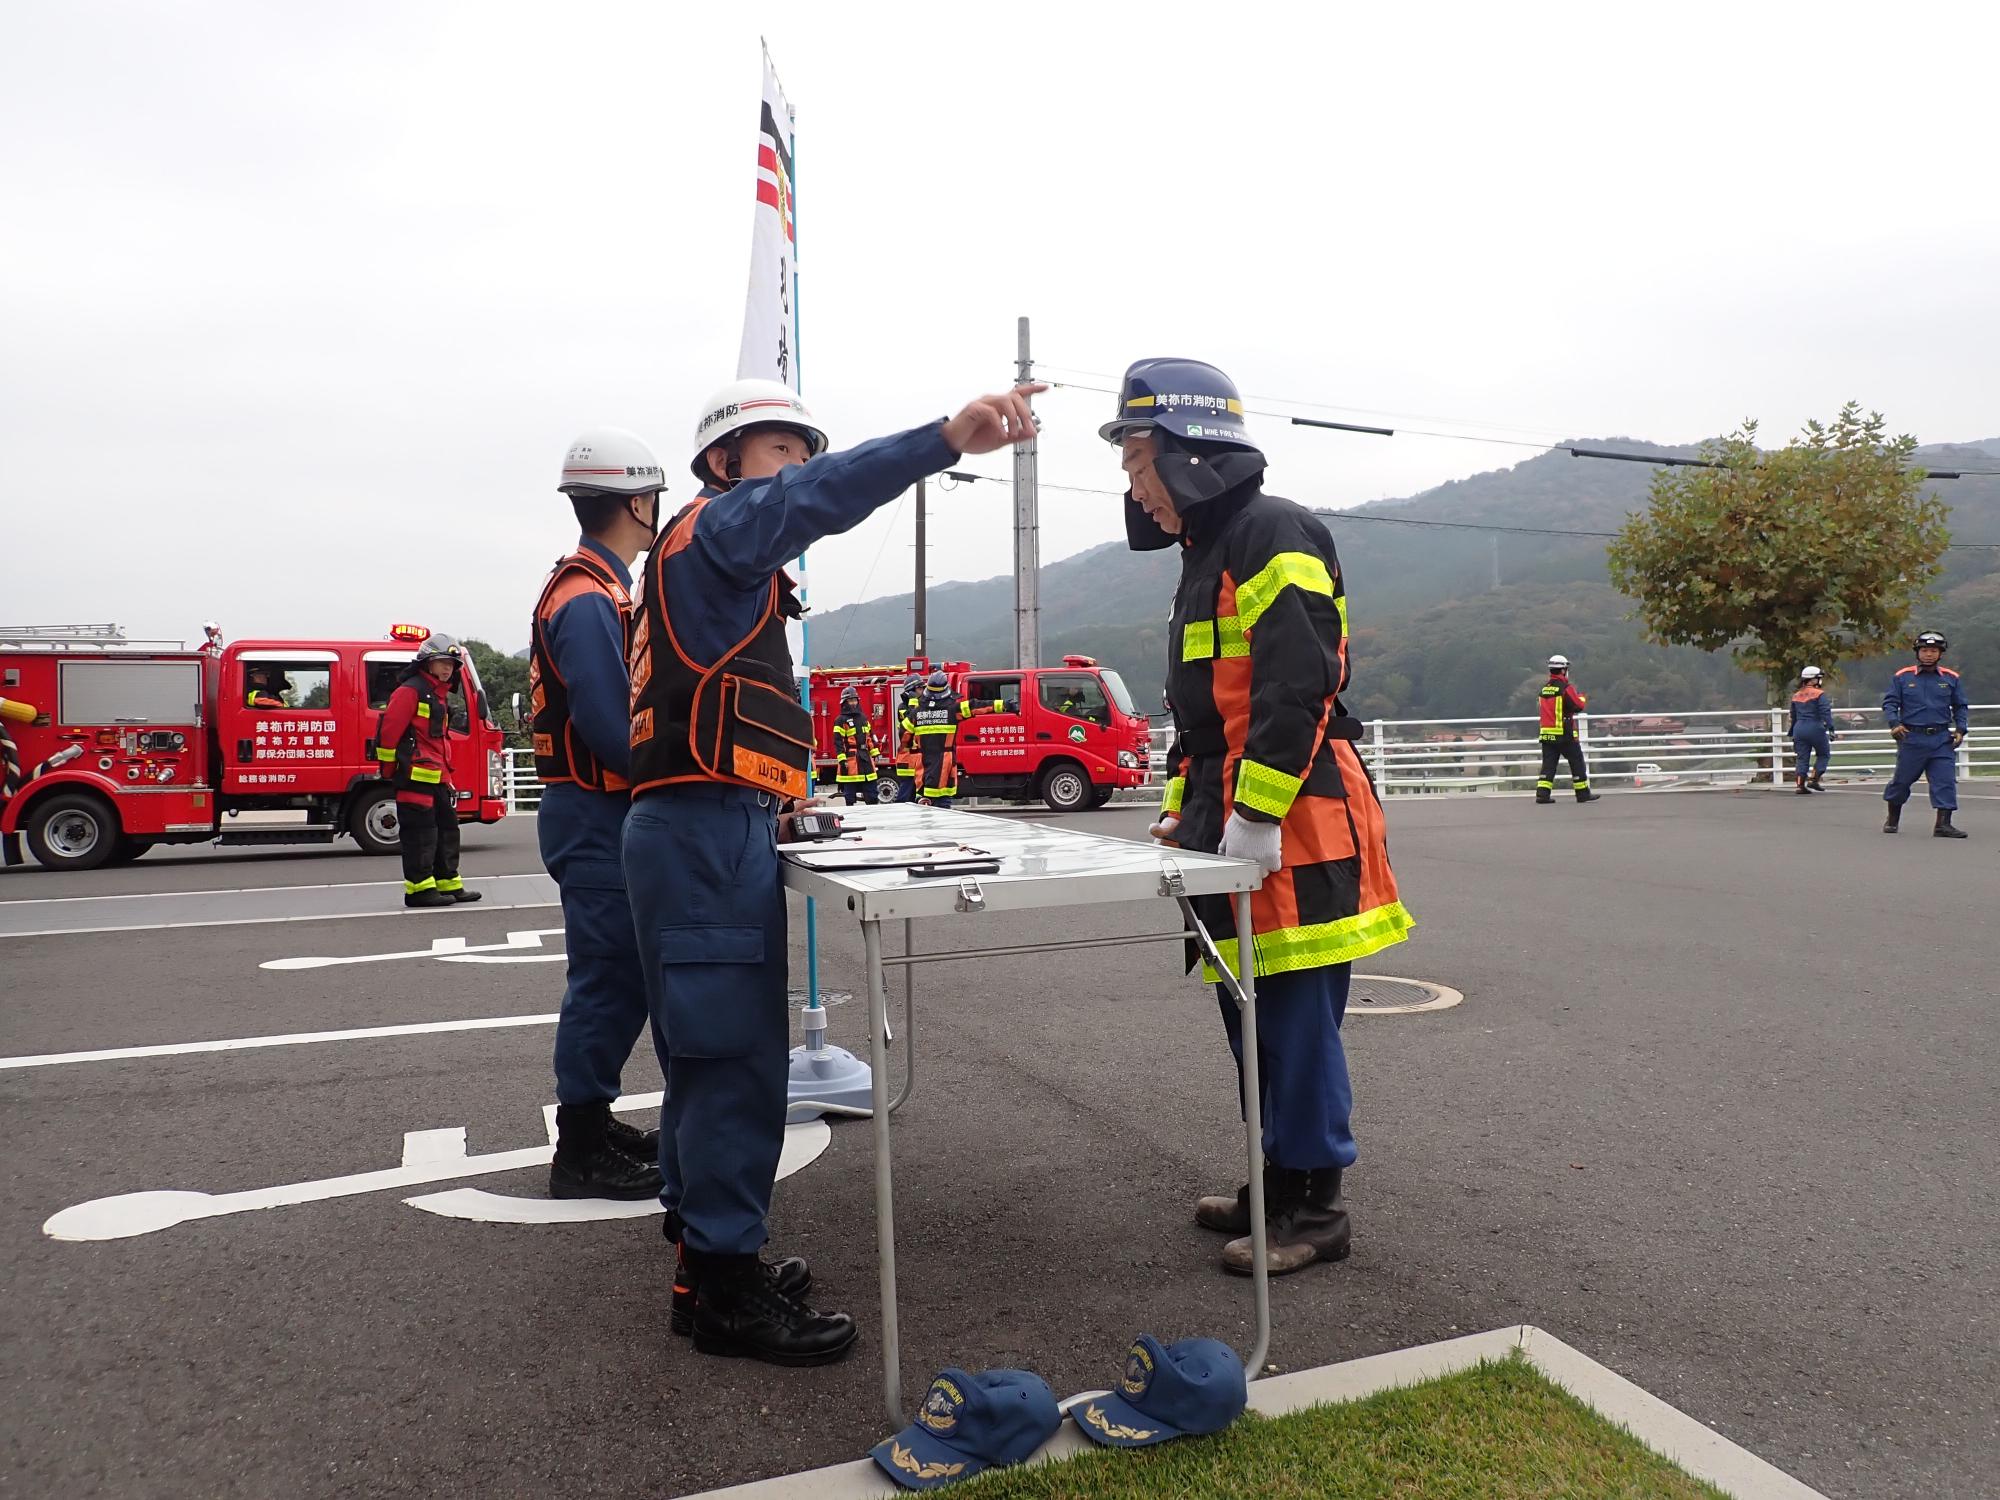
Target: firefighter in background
x,y
1928,714
909,754
1561,703
580,698
721,754
854,749
935,722
267,686
1812,730
1263,768
412,744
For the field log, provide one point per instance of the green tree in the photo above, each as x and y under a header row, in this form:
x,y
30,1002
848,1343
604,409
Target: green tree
x,y
1817,551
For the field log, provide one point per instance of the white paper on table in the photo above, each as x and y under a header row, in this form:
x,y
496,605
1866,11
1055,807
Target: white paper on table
x,y
838,854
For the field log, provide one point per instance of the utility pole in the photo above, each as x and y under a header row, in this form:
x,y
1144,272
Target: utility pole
x,y
918,647
1495,539
1027,534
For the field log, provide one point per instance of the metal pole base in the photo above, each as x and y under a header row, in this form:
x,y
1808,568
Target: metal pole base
x,y
830,1075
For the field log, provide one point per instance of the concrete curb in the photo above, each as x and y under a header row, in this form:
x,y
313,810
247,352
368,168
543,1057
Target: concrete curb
x,y
1700,1450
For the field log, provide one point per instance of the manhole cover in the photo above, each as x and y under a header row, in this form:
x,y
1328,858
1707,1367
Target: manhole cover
x,y
829,998
1375,994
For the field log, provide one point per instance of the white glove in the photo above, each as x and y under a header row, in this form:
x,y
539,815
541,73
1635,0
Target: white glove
x,y
1260,843
1164,830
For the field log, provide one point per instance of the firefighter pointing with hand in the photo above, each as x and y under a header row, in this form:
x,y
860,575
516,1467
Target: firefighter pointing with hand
x,y
413,745
1561,702
720,750
1263,768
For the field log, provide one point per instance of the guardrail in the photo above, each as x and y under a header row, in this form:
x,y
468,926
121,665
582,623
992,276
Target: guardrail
x,y
1645,752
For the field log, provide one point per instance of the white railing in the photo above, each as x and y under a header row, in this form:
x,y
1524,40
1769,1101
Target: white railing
x,y
1646,752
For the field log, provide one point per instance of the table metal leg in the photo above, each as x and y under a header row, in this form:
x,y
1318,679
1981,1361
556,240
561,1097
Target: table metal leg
x,y
885,1200
909,1018
1253,1130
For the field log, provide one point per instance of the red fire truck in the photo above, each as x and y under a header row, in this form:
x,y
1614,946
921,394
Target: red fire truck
x,y
111,748
1067,734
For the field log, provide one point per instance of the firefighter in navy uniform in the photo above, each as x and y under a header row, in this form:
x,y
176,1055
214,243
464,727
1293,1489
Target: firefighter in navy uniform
x,y
721,751
1560,704
1263,768
909,754
1928,714
1812,731
854,750
412,744
580,699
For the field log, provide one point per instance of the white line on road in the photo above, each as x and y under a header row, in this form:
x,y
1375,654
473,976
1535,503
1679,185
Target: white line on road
x,y
290,1039
450,948
338,916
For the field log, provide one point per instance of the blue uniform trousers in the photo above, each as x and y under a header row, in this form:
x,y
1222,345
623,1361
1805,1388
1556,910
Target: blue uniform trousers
x,y
701,863
604,1006
1303,1067
1925,753
1816,746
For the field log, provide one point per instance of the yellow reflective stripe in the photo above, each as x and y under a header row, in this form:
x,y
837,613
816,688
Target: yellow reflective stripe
x,y
1296,569
423,710
1198,640
1138,400
385,753
1341,605
425,774
1170,801
924,729
411,887
453,884
1231,641
1265,790
1323,943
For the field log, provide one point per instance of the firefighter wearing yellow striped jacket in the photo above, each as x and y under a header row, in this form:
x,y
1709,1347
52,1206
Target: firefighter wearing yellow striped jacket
x,y
854,751
934,723
1264,768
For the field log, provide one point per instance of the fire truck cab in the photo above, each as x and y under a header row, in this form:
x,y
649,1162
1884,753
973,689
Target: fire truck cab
x,y
258,742
1069,735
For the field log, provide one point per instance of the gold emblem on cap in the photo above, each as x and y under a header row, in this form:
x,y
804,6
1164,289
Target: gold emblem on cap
x,y
1094,1415
910,1464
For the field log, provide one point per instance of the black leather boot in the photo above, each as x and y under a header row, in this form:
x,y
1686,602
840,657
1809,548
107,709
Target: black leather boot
x,y
1944,830
1814,783
1304,1221
791,1275
1544,797
643,1146
1894,822
587,1165
430,897
464,897
1804,790
1585,794
741,1314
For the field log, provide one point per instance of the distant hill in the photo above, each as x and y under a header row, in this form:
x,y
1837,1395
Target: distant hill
x,y
1434,637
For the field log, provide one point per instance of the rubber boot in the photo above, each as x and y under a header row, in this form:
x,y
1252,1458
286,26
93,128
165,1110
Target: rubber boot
x,y
1814,783
1230,1215
587,1165
1894,822
742,1315
1544,797
1944,830
1804,790
642,1146
431,897
1587,795
1304,1222
463,895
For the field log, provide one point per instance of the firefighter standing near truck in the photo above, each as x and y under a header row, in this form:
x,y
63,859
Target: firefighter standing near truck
x,y
721,754
1928,714
854,751
909,754
412,745
935,720
580,699
1263,768
1561,702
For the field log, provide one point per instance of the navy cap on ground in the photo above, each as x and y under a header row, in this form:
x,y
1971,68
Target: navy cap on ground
x,y
970,1423
1186,1389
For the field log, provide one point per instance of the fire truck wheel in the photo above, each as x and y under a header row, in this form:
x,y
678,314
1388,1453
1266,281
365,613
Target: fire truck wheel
x,y
373,821
1065,787
128,849
74,831
886,790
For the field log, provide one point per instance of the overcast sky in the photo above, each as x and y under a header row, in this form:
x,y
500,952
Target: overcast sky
x,y
299,305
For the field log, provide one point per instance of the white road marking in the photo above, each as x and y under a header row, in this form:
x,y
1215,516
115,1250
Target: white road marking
x,y
449,948
289,1039
61,916
428,1156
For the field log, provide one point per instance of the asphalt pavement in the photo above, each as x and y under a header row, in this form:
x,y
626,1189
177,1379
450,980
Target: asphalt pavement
x,y
1718,1110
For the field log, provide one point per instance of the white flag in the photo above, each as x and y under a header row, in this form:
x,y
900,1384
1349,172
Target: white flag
x,y
768,352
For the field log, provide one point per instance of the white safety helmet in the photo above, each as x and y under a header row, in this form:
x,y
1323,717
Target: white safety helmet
x,y
744,404
612,460
1811,674
1558,663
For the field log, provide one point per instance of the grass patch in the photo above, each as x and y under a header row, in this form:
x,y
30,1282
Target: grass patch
x,y
1499,1431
